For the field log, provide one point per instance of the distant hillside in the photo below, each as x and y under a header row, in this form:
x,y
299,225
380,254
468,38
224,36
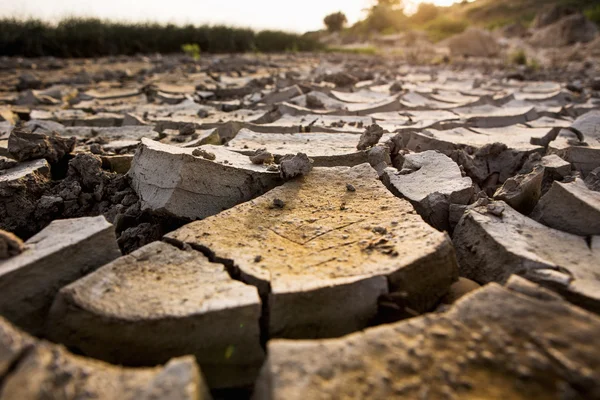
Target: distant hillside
x,y
494,13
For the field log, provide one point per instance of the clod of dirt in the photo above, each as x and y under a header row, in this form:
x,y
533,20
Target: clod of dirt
x,y
396,87
593,180
262,156
28,81
341,79
187,130
370,137
10,245
293,166
138,236
278,203
24,145
313,102
96,148
495,209
204,154
7,163
379,158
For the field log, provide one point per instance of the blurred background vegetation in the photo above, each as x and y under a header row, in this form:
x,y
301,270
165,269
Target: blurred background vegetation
x,y
90,37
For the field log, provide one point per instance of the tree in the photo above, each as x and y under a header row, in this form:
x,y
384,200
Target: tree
x,y
335,22
425,13
386,16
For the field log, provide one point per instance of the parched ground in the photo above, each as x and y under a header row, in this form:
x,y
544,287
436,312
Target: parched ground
x,y
298,226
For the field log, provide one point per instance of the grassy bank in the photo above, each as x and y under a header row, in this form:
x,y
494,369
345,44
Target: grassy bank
x,y
93,38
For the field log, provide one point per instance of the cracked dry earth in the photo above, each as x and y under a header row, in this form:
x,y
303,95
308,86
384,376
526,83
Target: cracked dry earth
x,y
297,227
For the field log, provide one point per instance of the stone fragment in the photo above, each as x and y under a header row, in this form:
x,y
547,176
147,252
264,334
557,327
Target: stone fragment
x,y
261,156
295,166
514,343
431,183
20,189
328,254
160,302
370,137
490,248
570,207
170,179
10,245
522,191
24,145
31,369
55,257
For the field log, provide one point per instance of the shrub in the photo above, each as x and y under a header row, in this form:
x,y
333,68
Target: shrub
x,y
192,50
425,13
335,22
519,57
384,18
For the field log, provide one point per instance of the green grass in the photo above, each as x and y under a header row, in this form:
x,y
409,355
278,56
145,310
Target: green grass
x,y
90,37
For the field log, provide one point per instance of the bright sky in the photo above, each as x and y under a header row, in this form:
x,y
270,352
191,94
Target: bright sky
x,y
290,15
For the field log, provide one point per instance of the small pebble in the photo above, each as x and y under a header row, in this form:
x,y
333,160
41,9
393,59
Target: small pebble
x,y
204,154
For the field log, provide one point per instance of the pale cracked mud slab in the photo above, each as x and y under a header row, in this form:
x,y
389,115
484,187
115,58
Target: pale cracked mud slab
x,y
58,255
170,179
325,149
497,342
582,147
570,207
160,302
522,191
431,181
323,248
490,248
33,370
485,154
